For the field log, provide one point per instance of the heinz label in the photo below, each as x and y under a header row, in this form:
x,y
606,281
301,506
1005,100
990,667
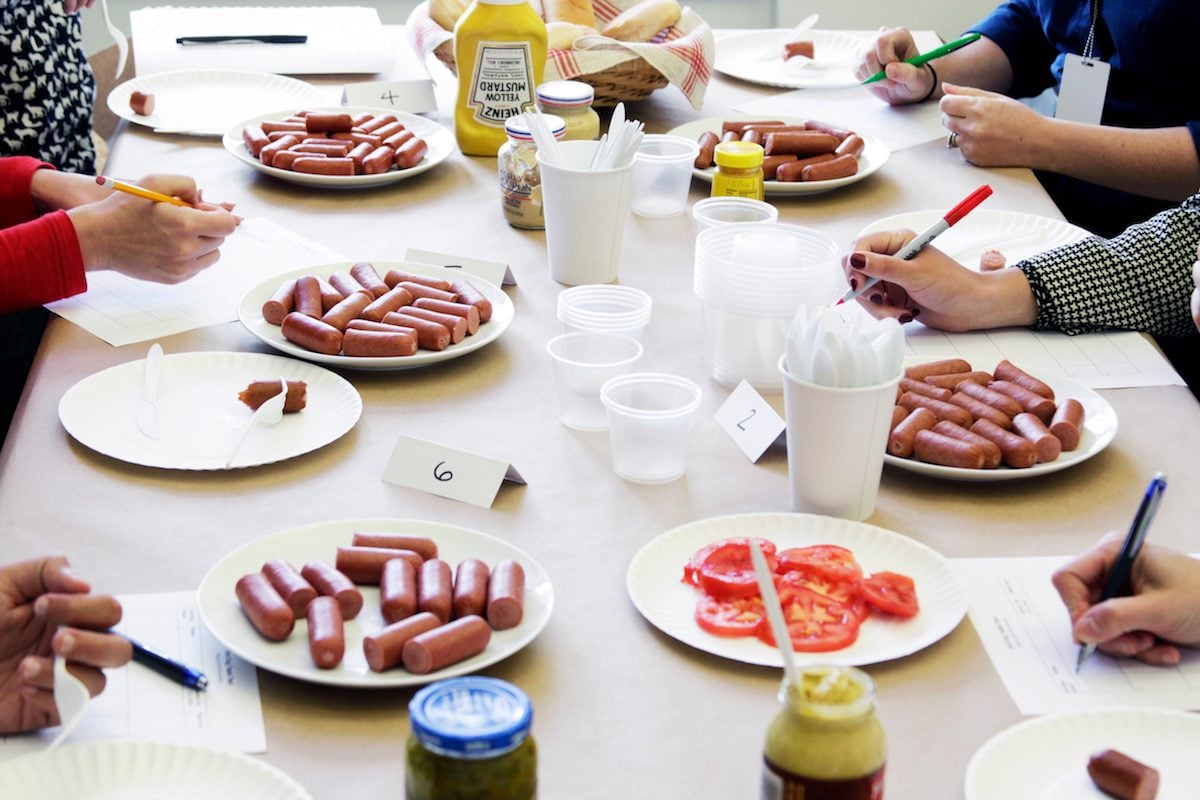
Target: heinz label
x,y
502,84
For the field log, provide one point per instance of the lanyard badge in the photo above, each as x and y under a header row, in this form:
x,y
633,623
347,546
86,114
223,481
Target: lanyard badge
x,y
1084,82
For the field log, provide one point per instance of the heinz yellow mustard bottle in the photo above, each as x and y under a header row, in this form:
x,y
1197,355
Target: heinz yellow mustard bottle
x,y
500,54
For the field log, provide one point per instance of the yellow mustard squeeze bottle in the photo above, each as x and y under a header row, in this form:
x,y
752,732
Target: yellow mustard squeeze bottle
x,y
500,54
739,170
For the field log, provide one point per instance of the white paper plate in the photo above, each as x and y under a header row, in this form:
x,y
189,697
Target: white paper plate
x,y
199,415
206,102
1099,428
654,585
1015,234
223,615
441,144
132,770
1046,758
250,313
875,155
832,67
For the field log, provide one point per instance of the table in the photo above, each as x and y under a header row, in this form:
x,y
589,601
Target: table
x,y
620,709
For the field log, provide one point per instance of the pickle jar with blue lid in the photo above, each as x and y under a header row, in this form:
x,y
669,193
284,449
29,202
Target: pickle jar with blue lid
x,y
471,740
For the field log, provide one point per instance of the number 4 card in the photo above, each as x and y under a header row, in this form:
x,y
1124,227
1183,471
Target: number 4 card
x,y
447,472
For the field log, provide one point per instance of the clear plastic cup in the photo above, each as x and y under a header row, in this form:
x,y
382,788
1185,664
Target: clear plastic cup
x,y
604,307
662,175
712,211
649,423
583,362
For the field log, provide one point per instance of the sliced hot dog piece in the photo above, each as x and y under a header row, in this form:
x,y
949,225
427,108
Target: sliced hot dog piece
x,y
1046,443
378,161
311,334
312,165
435,589
426,547
1007,371
898,415
255,139
991,451
1067,423
771,165
263,606
737,126
326,632
330,296
384,649
419,289
1017,451
470,588
852,145
825,127
506,595
142,103
365,564
934,448
904,435
259,392
446,645
398,591
1123,777
292,587
331,583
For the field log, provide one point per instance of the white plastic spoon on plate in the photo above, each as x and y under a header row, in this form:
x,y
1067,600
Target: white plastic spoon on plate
x,y
269,414
805,24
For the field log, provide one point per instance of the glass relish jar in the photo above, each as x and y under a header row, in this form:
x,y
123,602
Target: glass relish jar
x,y
520,178
826,741
571,100
471,740
739,170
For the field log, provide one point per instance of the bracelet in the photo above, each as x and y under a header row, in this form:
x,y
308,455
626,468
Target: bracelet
x,y
933,86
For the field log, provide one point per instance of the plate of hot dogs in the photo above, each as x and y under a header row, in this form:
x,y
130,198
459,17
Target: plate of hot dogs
x,y
657,581
342,147
378,315
817,60
802,156
976,421
376,602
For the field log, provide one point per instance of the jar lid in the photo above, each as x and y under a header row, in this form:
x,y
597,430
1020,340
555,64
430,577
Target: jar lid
x,y
566,93
517,126
472,717
739,155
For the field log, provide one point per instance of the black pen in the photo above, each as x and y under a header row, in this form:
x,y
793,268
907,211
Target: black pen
x,y
262,38
1118,584
168,667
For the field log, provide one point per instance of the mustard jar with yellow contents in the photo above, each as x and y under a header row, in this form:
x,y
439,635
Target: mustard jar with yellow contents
x,y
739,170
471,740
826,742
520,176
571,100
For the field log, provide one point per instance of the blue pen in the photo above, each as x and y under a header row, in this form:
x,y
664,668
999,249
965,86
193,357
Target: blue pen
x,y
1118,584
168,667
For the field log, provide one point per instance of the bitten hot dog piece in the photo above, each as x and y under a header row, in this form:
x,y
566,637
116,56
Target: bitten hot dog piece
x,y
708,146
800,47
506,595
292,587
1067,423
840,167
424,546
943,410
365,564
259,392
311,334
331,583
326,632
279,304
1123,777
1006,371
1046,443
919,372
263,606
398,591
1042,407
470,588
364,272
142,103
904,435
384,649
468,294
467,312
446,645
361,343
435,589
1016,451
934,448
340,315
991,451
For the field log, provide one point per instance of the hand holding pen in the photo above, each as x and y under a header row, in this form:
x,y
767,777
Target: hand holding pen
x,y
909,81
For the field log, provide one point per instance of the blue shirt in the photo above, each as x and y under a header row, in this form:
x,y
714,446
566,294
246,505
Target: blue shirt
x,y
1150,46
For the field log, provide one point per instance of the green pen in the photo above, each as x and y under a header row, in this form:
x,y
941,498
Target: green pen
x,y
937,52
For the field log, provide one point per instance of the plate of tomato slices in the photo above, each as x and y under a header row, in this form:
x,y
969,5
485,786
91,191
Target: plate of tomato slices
x,y
852,593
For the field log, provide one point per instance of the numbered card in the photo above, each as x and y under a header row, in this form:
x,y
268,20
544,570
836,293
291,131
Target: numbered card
x,y
494,272
415,97
447,472
750,421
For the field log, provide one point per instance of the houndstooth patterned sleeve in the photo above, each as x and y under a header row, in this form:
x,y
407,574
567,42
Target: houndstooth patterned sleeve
x,y
1140,280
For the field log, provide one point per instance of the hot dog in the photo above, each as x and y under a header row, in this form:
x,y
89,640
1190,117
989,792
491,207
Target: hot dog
x,y
919,372
1046,444
771,165
800,47
395,277
904,435
307,297
331,583
927,389
1031,401
328,123
1123,777
377,122
379,344
991,260
825,127
394,299
294,590
738,126
326,632
991,451
424,546
267,154
1067,423
255,139
142,103
379,161
322,148
435,589
384,649
840,167
279,304
935,448
347,284
330,296
365,564
456,325
430,335
943,410
364,272
470,588
323,166
312,334
263,606
446,645
285,126
898,414
468,294
953,379
1006,371
340,315
398,590
793,171
360,151
800,143
852,145
1000,402
506,595
708,145
398,140
411,153
1016,451
752,135
370,325
285,158
425,290
981,410
259,392
468,312
388,130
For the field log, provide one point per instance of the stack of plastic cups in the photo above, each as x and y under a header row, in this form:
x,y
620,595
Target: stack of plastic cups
x,y
604,307
750,278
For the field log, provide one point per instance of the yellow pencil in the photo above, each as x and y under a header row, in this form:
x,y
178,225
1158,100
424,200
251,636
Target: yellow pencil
x,y
138,191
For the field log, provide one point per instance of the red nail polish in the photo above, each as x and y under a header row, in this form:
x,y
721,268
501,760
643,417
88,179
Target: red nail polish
x,y
858,260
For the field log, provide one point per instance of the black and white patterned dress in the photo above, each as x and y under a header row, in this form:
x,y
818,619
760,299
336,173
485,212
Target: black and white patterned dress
x,y
1140,280
46,86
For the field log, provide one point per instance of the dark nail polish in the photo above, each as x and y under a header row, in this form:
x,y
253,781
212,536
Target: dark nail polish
x,y
858,260
915,312
877,299
853,284
905,318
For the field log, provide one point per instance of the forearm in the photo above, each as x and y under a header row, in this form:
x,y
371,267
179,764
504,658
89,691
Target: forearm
x,y
981,64
52,190
1154,162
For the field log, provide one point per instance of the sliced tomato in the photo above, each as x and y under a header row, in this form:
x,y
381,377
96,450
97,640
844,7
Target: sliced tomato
x,y
848,592
837,561
738,617
691,570
816,623
727,571
891,593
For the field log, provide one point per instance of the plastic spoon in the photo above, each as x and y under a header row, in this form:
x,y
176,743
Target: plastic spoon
x,y
269,414
805,24
779,630
71,697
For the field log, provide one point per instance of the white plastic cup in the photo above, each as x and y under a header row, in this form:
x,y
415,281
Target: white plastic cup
x,y
583,362
585,214
649,423
712,211
662,175
604,307
836,439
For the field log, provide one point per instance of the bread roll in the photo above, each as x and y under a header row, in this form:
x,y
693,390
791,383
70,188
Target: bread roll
x,y
640,23
578,12
447,12
562,35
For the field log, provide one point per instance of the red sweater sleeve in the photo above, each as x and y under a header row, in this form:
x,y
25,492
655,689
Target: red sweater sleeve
x,y
40,259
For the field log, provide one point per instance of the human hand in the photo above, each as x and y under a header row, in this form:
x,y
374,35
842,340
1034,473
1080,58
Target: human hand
x,y
71,6
993,130
157,242
945,294
45,610
904,82
1162,614
1196,291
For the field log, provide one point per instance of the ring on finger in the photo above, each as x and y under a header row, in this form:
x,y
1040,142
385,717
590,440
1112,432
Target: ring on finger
x,y
952,139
